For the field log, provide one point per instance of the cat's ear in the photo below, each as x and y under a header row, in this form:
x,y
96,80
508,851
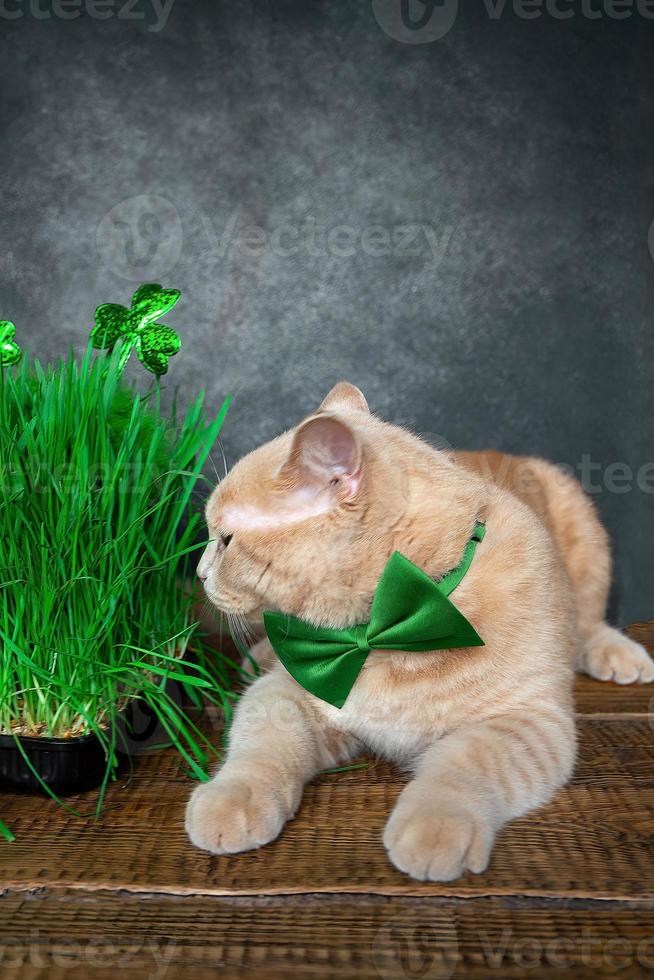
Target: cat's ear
x,y
325,455
344,395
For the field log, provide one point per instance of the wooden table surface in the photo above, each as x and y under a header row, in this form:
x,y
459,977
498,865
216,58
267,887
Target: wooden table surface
x,y
569,891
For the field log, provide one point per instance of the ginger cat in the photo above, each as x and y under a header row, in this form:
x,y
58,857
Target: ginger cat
x,y
305,525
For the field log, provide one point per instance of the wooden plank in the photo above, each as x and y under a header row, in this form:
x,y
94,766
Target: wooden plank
x,y
643,633
595,839
320,936
601,699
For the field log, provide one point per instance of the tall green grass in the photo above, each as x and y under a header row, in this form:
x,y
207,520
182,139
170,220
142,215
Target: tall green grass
x,y
97,521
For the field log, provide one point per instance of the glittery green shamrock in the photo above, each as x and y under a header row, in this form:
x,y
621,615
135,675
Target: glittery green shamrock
x,y
137,327
10,352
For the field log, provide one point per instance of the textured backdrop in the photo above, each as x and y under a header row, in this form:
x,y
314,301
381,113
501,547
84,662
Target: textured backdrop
x,y
454,216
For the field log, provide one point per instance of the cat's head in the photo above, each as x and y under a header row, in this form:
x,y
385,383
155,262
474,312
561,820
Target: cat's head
x,y
305,523
288,523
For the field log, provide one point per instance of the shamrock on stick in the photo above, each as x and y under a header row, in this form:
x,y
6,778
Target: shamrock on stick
x,y
10,352
137,327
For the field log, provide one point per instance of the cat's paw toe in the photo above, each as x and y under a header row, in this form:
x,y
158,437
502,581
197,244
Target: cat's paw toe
x,y
612,656
438,846
229,816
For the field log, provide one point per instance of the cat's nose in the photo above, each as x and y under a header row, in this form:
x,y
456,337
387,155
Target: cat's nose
x,y
202,574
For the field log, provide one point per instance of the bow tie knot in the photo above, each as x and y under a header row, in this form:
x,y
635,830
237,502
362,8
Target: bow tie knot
x,y
361,637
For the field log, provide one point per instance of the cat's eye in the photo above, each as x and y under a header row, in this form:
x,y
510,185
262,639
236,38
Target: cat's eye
x,y
225,539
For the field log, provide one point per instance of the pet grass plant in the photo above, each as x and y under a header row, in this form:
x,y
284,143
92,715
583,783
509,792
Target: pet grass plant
x,y
97,520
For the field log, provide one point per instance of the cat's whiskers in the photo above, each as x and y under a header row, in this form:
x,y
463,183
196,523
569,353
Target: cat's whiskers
x,y
215,468
239,630
224,458
217,476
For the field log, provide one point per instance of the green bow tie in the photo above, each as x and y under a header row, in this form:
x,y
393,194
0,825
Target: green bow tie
x,y
409,612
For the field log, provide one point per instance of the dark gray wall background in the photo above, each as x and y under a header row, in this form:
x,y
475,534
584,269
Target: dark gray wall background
x,y
524,147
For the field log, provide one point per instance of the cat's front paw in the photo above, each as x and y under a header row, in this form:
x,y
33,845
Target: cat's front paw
x,y
437,843
226,816
611,656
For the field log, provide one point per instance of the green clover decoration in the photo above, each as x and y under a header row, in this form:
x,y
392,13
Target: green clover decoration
x,y
137,327
10,352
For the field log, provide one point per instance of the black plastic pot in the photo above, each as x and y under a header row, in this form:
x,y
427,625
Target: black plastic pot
x,y
65,765
72,765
